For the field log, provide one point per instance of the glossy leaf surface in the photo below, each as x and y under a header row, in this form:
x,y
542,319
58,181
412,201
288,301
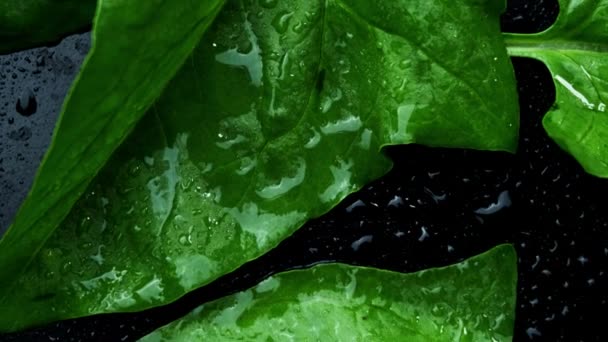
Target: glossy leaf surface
x,y
279,113
576,51
119,81
27,23
470,301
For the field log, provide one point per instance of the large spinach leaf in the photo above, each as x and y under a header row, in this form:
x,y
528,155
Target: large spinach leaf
x,y
129,65
26,23
470,301
278,114
575,49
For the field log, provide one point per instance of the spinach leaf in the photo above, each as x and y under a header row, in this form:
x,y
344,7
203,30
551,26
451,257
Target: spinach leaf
x,y
575,49
470,301
279,113
129,65
26,23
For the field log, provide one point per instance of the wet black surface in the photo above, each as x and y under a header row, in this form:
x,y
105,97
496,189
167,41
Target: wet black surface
x,y
33,84
432,210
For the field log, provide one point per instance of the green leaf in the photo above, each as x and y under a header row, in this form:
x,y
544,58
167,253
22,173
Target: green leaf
x,y
575,49
126,70
470,301
279,113
27,23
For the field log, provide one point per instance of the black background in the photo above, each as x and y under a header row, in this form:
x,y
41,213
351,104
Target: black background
x,y
558,222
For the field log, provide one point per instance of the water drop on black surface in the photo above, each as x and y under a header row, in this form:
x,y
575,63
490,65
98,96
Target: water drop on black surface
x,y
27,104
22,134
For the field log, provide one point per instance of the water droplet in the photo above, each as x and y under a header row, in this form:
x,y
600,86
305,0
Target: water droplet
x,y
436,198
349,124
27,104
281,21
22,134
229,143
286,184
363,240
342,181
251,61
135,170
314,140
504,201
41,59
423,234
536,262
98,258
396,202
583,260
432,175
186,183
299,27
185,240
67,266
533,332
357,204
247,164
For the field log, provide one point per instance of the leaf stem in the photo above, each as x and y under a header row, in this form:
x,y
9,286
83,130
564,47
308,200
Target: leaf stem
x,y
528,45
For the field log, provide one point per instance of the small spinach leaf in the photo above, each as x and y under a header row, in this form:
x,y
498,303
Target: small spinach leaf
x,y
575,49
470,301
137,48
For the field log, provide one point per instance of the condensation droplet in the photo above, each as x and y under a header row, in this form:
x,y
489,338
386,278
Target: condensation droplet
x,y
27,104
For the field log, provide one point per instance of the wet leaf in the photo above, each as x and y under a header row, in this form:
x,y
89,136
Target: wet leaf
x,y
27,23
470,301
575,49
278,114
117,84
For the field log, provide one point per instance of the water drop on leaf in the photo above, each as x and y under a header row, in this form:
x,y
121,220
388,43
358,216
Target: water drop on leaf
x,y
281,21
